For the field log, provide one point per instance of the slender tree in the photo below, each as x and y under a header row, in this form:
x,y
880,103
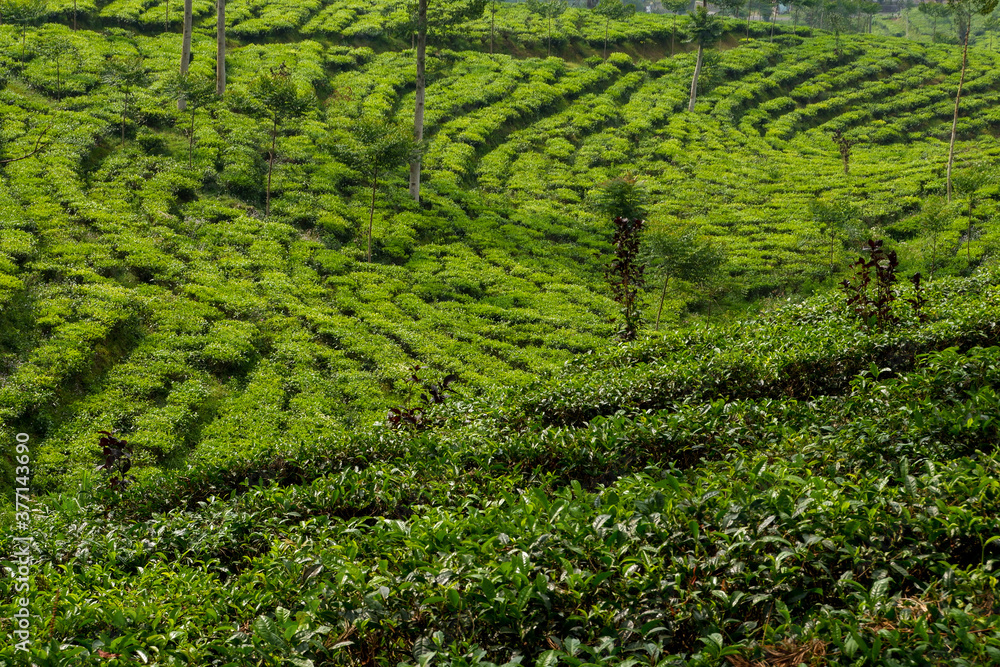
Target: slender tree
x,y
963,8
24,12
548,9
197,92
373,147
935,12
280,99
421,83
612,10
220,47
57,48
125,74
679,250
705,29
451,14
935,218
675,7
493,16
833,219
970,182
185,47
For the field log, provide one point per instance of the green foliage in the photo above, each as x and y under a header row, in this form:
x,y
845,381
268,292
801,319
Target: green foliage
x,y
680,499
624,197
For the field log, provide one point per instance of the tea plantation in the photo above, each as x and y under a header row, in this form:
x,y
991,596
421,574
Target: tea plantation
x,y
764,478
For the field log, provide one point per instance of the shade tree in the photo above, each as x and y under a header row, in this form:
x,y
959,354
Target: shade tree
x,y
678,249
970,183
197,92
547,9
963,8
675,7
126,74
446,14
280,101
833,218
24,13
185,46
58,49
705,29
374,146
612,10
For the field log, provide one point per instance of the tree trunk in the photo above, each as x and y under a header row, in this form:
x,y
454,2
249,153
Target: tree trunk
x,y
954,120
493,16
663,295
371,214
270,165
607,23
548,41
673,36
694,80
185,49
774,19
418,113
191,141
74,14
968,241
220,48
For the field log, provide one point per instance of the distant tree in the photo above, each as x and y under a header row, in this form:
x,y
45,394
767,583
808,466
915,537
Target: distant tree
x,y
730,7
991,25
844,145
197,91
547,9
675,7
373,147
421,85
185,47
612,10
24,12
57,48
447,14
966,8
935,218
280,99
220,47
493,16
970,182
934,11
680,250
907,8
832,218
705,29
869,9
126,73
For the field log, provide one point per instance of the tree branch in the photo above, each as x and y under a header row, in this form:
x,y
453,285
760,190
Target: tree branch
x,y
36,149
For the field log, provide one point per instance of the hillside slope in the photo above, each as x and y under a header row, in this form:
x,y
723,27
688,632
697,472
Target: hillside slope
x,y
150,297
858,526
791,483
